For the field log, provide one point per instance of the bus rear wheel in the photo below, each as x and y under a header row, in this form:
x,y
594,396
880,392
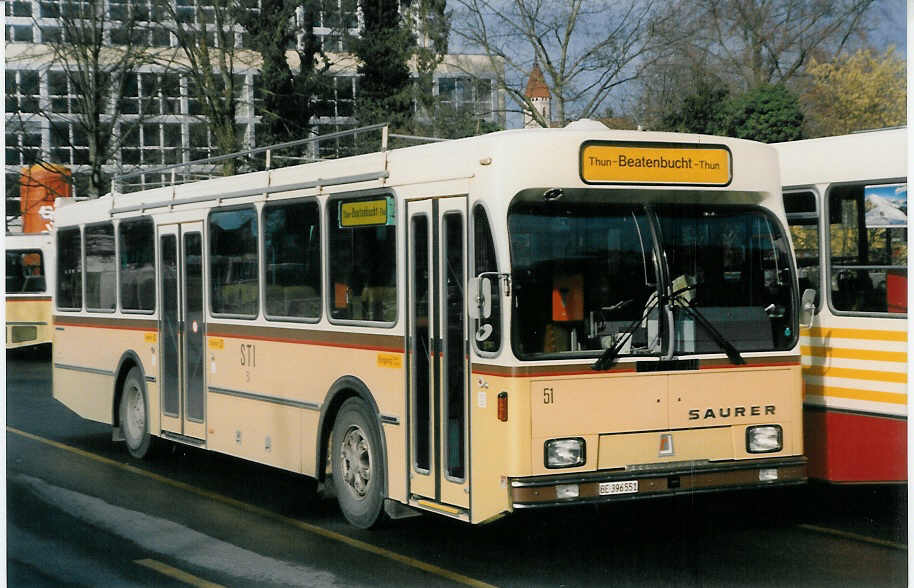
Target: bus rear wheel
x,y
134,415
357,464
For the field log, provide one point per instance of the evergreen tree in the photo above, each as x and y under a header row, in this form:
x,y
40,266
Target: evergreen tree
x,y
383,51
432,29
769,113
701,112
288,96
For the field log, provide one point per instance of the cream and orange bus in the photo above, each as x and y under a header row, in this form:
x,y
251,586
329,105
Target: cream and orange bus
x,y
29,283
846,201
523,319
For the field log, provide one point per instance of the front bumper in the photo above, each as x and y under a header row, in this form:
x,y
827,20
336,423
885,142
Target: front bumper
x,y
661,480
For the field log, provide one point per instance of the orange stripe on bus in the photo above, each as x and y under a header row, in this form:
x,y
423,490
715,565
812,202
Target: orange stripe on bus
x,y
853,374
856,394
28,299
869,334
307,342
116,327
864,354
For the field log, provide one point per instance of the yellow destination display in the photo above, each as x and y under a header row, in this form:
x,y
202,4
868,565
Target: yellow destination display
x,y
655,164
365,212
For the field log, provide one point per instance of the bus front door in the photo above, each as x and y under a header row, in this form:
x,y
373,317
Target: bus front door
x,y
182,330
438,411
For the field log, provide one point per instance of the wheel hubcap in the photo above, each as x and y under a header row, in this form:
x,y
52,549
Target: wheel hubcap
x,y
136,415
355,461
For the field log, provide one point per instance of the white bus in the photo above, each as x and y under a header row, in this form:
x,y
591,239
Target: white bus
x,y
29,283
846,201
523,319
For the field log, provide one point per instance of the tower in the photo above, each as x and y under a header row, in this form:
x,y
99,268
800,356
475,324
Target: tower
x,y
538,94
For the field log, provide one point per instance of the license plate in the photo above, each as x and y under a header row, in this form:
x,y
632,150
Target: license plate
x,y
626,487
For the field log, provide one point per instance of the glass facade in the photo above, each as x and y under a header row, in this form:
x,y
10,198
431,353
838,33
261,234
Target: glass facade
x,y
161,123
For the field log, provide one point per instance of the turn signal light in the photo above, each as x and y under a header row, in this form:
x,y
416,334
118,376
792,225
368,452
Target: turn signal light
x,y
503,407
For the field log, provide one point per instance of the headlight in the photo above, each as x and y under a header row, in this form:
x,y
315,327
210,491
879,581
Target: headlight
x,y
564,453
764,439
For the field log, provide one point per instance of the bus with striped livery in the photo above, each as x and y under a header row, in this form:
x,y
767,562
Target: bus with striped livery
x,y
846,202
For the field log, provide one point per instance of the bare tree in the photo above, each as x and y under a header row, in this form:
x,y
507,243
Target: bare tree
x,y
585,48
756,42
208,58
741,45
98,73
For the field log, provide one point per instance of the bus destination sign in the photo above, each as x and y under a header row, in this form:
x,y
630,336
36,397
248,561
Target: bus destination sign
x,y
655,163
367,213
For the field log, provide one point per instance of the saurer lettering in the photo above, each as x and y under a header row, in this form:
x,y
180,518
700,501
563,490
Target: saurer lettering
x,y
730,412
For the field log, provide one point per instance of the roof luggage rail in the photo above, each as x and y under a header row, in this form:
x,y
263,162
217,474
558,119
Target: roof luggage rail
x,y
217,166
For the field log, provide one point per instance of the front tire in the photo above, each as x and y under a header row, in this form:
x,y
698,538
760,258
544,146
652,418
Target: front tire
x,y
358,464
134,415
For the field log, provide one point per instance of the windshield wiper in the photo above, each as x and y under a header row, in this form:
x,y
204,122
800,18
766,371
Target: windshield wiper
x,y
609,356
732,353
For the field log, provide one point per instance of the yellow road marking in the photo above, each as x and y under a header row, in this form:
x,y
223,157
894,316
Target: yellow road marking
x,y
854,536
854,374
326,533
864,354
855,394
167,570
869,334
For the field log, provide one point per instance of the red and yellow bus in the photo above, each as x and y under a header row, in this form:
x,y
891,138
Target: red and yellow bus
x,y
846,201
29,283
523,319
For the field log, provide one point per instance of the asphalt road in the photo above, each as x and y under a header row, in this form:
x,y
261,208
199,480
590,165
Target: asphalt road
x,y
81,512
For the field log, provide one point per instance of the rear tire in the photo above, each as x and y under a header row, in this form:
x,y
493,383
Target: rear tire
x,y
358,464
134,415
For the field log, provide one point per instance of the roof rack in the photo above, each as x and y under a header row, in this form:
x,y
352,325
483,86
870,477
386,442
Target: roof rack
x,y
210,167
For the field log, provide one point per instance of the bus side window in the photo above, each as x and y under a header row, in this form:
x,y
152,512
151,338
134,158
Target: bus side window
x,y
69,269
233,266
362,266
803,219
868,240
101,282
136,263
292,258
484,261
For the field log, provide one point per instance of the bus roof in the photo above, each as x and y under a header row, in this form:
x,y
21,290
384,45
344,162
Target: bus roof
x,y
880,154
511,160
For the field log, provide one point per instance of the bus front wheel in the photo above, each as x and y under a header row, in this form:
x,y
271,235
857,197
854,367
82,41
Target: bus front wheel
x,y
134,416
357,464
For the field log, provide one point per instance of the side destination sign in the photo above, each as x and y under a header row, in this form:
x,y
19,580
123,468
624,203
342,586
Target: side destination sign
x,y
364,213
655,163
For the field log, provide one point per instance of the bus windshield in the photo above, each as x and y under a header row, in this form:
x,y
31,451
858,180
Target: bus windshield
x,y
24,272
589,275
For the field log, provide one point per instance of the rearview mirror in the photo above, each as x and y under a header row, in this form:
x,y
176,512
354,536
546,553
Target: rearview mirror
x,y
480,298
807,307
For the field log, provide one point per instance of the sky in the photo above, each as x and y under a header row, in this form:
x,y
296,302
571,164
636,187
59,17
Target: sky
x,y
887,21
890,17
